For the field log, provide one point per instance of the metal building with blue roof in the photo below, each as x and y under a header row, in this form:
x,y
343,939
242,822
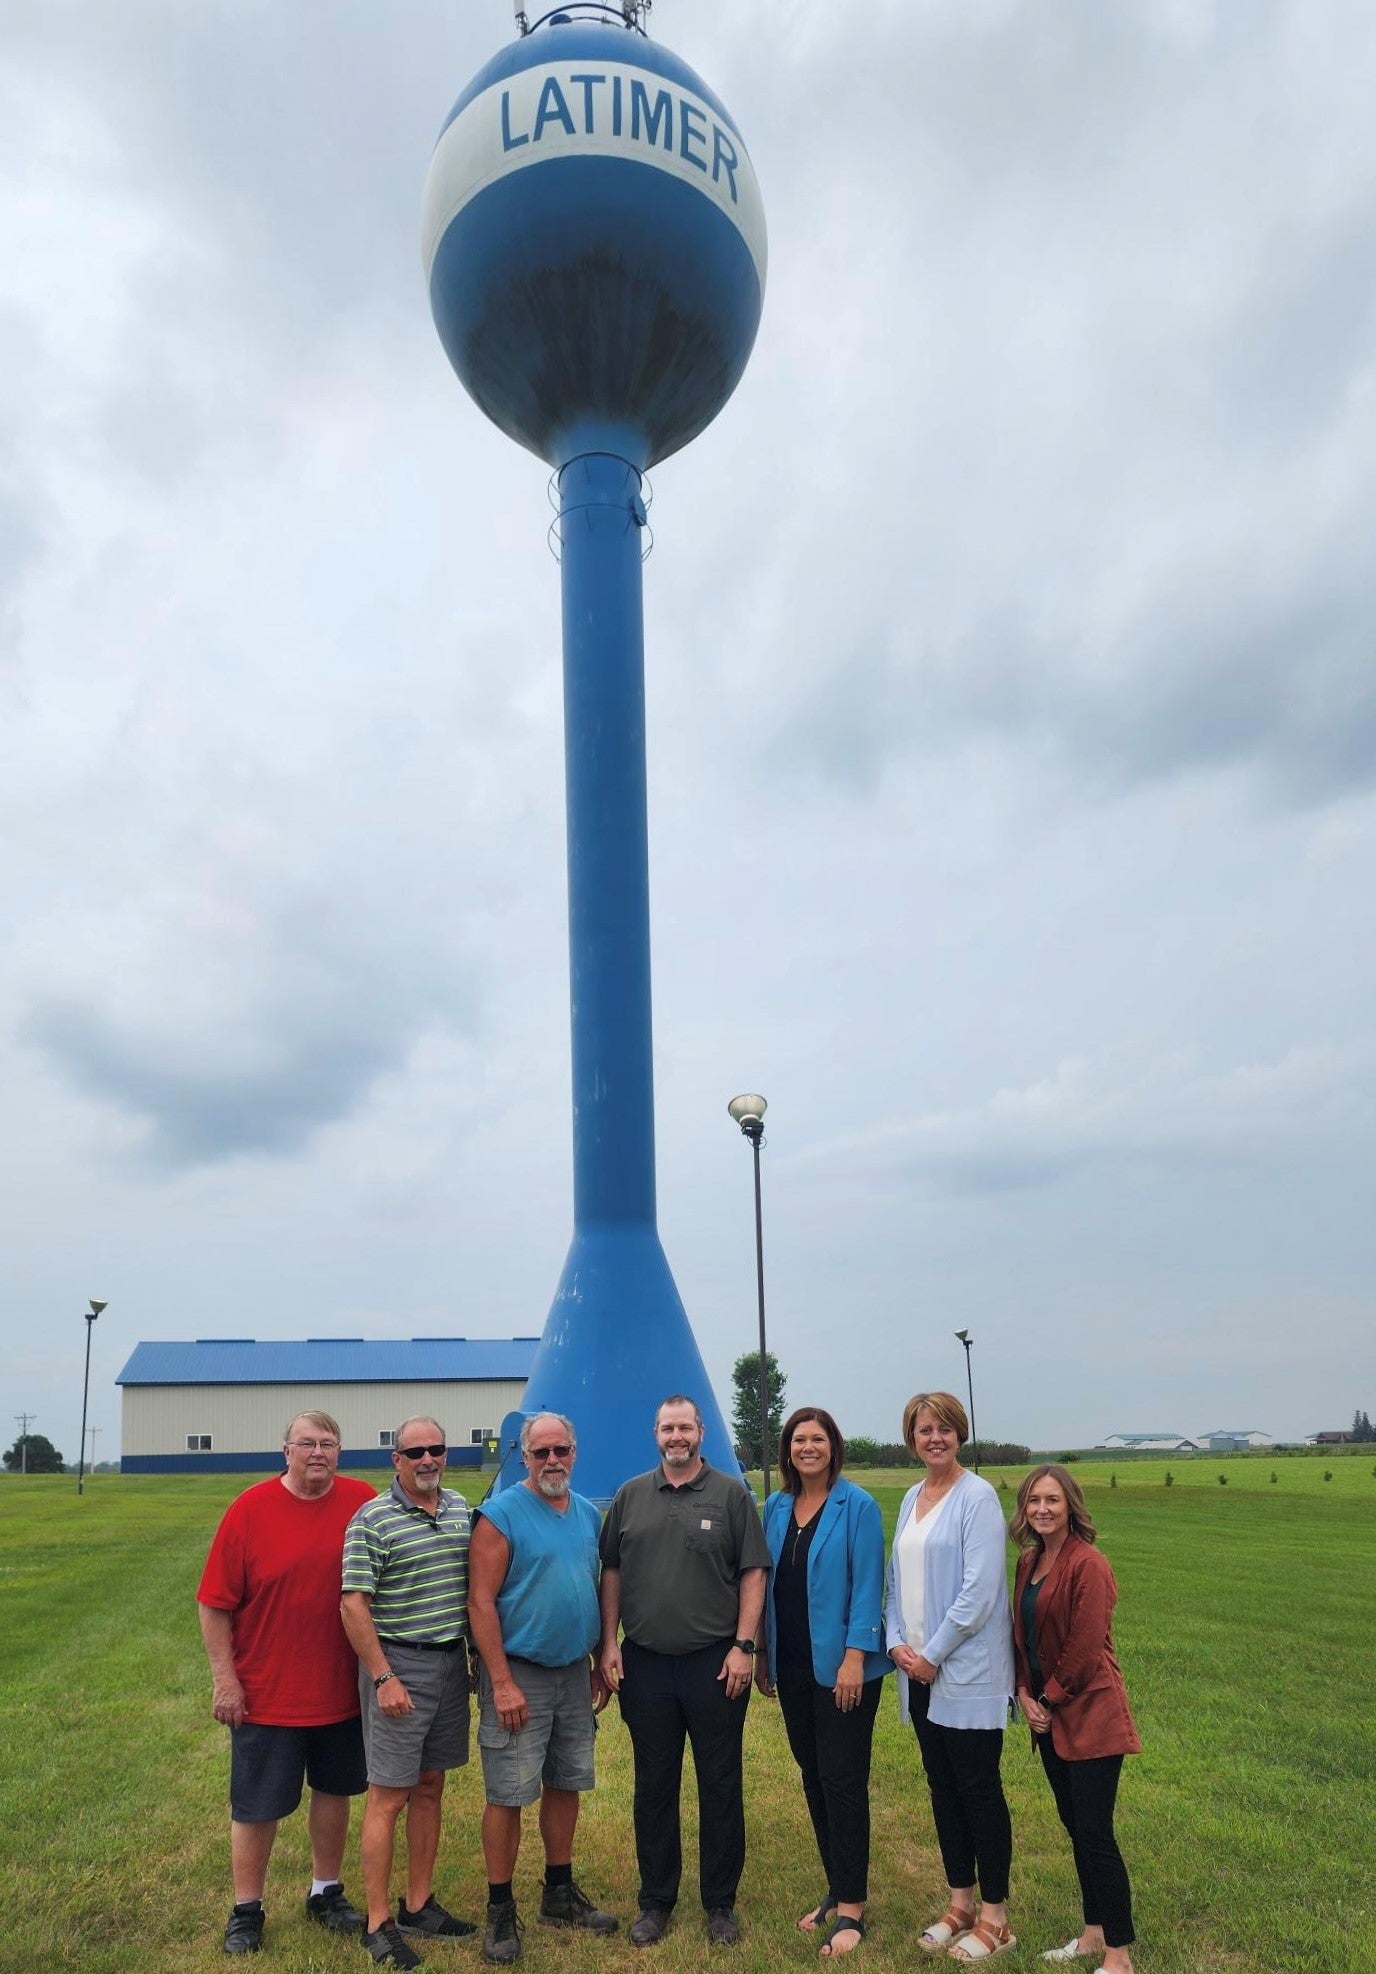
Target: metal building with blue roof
x,y
221,1404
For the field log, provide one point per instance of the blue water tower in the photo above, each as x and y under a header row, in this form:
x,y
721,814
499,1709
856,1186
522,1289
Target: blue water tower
x,y
594,243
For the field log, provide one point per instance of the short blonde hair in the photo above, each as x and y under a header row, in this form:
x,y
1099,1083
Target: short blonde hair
x,y
942,1405
322,1422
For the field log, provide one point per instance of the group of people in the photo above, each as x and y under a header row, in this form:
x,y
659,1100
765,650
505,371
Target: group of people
x,y
339,1623
962,1653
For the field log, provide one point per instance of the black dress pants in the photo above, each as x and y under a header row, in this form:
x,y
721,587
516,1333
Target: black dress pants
x,y
1085,1793
833,1751
663,1700
973,1826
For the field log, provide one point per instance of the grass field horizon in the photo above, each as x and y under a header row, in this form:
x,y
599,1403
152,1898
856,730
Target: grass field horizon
x,y
1243,1628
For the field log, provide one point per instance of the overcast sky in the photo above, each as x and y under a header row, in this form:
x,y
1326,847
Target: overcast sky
x,y
1011,647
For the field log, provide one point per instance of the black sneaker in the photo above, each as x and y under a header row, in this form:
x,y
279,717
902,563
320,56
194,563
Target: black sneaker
x,y
502,1934
388,1948
332,1910
569,1905
650,1928
723,1927
432,1921
244,1933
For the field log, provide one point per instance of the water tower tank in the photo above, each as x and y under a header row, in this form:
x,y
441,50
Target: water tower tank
x,y
594,242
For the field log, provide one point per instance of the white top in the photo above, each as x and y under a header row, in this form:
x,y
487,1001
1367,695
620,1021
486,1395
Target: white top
x,y
912,1542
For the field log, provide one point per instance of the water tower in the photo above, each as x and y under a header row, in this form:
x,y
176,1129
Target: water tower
x,y
594,244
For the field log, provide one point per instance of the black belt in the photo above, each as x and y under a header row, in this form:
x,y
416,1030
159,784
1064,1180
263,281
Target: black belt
x,y
419,1645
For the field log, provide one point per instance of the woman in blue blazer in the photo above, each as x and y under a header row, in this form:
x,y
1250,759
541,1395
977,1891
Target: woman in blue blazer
x,y
824,1655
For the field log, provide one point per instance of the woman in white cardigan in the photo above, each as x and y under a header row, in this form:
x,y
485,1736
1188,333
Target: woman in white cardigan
x,y
950,1633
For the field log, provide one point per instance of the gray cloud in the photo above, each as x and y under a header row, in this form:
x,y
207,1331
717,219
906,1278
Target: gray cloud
x,y
1010,705
251,1048
1169,1117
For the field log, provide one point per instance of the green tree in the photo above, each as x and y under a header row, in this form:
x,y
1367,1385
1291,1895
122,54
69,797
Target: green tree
x,y
35,1454
745,1410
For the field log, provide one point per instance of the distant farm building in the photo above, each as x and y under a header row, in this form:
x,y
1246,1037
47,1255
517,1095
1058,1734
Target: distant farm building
x,y
1152,1443
1234,1442
220,1405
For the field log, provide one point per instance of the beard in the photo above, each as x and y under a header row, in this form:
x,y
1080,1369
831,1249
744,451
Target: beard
x,y
552,1486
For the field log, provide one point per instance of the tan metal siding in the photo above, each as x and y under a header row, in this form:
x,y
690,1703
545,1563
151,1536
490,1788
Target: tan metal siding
x,y
251,1418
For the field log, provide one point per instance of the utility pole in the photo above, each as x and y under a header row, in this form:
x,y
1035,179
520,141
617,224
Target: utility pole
x,y
24,1420
92,1431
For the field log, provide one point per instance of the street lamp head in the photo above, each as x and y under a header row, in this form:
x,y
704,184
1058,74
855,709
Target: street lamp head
x,y
748,1111
96,1308
965,1338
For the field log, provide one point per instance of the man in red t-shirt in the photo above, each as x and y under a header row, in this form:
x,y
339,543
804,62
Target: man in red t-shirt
x,y
285,1675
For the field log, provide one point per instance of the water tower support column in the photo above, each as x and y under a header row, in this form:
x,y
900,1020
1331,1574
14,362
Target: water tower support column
x,y
617,1339
608,854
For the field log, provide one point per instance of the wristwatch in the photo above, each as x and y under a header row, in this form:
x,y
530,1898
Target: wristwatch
x,y
746,1645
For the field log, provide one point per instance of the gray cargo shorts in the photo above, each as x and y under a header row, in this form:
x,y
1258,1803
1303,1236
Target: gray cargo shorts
x,y
435,1732
554,1750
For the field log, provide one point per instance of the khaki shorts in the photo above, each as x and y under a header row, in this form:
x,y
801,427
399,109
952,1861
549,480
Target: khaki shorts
x,y
435,1732
554,1750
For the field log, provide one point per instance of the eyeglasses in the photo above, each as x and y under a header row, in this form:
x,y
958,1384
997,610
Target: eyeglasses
x,y
549,1452
419,1452
315,1445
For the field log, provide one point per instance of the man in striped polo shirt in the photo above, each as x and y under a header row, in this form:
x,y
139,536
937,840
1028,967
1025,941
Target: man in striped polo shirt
x,y
405,1611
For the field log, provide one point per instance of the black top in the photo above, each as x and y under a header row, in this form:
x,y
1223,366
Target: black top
x,y
792,1632
1029,1630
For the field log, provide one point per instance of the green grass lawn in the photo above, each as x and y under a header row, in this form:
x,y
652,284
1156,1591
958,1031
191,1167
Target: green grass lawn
x,y
1244,1629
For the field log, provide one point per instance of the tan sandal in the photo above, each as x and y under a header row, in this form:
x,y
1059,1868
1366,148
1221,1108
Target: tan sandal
x,y
952,1925
983,1941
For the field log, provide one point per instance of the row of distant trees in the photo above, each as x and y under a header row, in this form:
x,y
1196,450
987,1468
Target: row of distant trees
x,y
860,1451
33,1453
1363,1432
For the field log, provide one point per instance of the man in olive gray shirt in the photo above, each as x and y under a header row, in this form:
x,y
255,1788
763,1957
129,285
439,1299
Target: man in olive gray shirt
x,y
684,1562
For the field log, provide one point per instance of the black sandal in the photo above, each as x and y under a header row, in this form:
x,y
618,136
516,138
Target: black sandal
x,y
820,1917
844,1922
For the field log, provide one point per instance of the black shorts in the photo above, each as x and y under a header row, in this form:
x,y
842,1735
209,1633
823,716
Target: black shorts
x,y
267,1766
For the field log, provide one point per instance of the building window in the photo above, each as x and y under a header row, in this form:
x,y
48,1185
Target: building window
x,y
199,1443
387,1436
479,1434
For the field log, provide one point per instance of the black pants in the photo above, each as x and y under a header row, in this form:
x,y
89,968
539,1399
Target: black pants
x,y
1085,1793
973,1826
663,1700
833,1751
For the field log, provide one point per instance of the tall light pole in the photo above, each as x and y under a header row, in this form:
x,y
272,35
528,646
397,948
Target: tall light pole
x,y
964,1337
748,1111
96,1308
24,1420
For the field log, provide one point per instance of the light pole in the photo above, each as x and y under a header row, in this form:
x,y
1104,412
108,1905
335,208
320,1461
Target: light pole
x,y
748,1111
96,1308
24,1421
964,1337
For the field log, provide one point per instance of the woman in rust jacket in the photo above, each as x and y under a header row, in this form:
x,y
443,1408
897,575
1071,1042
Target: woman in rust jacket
x,y
1072,1693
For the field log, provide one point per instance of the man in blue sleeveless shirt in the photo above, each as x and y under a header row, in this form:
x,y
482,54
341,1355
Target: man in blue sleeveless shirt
x,y
533,1617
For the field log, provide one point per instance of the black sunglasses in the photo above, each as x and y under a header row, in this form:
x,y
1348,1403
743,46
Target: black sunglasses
x,y
550,1452
416,1452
